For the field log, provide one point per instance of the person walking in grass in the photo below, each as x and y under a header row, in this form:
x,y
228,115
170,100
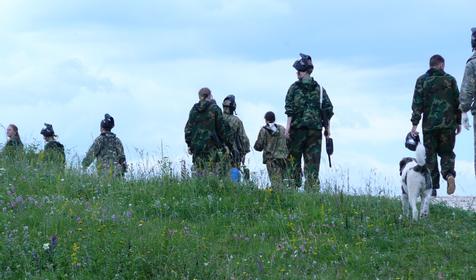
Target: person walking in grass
x,y
467,97
53,151
108,152
14,145
206,136
309,111
239,139
436,99
272,142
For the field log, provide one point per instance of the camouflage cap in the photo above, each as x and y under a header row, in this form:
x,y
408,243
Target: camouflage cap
x,y
48,131
204,93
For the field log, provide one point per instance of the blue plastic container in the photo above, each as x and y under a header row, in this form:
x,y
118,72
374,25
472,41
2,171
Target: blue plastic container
x,y
235,175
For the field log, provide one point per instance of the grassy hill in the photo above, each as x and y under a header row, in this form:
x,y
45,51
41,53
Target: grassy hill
x,y
63,226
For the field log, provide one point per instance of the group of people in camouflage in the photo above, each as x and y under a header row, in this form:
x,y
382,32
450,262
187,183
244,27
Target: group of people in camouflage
x,y
444,110
107,149
218,142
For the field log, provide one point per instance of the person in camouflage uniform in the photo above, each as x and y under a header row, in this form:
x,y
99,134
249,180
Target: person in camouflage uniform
x,y
307,116
207,137
436,98
108,151
272,142
14,146
468,91
239,140
53,151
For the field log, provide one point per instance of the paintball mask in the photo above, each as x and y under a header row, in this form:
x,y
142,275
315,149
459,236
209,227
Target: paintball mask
x,y
108,122
411,141
304,64
48,131
230,102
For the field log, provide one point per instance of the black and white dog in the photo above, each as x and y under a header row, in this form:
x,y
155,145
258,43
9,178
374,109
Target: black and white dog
x,y
416,181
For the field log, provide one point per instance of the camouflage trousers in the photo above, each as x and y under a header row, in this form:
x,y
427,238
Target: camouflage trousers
x,y
440,143
305,143
277,172
212,163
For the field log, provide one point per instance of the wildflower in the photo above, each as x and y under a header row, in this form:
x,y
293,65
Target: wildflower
x,y
53,242
46,246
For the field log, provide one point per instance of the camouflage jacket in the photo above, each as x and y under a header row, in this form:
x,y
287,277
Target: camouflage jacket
x,y
54,152
12,147
303,104
107,149
468,87
272,143
239,140
436,97
205,130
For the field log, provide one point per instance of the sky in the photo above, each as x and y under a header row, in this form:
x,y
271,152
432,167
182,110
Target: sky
x,y
70,62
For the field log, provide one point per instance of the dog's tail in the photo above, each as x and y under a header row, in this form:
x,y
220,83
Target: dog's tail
x,y
421,154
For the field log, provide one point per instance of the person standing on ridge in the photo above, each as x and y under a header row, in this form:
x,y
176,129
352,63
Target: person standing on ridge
x,y
467,97
436,98
207,137
308,114
108,151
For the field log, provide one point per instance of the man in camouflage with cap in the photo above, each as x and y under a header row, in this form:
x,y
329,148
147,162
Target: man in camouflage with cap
x,y
307,116
207,137
436,98
239,140
468,91
108,151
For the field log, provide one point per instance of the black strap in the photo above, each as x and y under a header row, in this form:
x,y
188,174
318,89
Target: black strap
x,y
471,59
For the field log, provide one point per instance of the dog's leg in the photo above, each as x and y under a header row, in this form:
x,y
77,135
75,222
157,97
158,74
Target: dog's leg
x,y
425,203
405,205
412,199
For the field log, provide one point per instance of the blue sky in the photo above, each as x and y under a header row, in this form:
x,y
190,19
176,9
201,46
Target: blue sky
x,y
69,62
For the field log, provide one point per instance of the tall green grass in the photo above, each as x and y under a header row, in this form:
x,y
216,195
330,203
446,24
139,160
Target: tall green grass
x,y
68,225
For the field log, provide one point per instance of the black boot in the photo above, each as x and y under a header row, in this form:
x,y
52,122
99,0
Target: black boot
x,y
433,193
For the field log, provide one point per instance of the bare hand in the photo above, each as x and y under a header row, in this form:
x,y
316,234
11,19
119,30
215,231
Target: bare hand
x,y
286,133
414,131
327,132
458,129
465,121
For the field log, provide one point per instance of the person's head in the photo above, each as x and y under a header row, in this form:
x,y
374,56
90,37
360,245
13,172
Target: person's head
x,y
107,124
473,38
269,117
48,132
229,104
303,66
205,94
12,132
437,62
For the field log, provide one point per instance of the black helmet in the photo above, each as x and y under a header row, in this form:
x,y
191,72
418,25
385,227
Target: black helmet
x,y
304,64
411,141
230,102
108,122
473,38
48,130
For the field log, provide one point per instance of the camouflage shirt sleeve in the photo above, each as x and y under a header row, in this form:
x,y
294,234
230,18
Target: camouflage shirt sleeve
x,y
327,107
456,96
260,142
417,105
92,153
245,142
221,129
468,87
289,106
188,129
120,151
